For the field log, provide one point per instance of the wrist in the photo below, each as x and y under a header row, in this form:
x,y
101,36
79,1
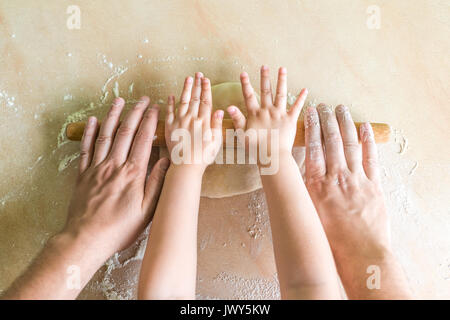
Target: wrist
x,y
82,240
282,158
196,170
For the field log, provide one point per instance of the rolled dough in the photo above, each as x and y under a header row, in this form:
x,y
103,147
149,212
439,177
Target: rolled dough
x,y
226,180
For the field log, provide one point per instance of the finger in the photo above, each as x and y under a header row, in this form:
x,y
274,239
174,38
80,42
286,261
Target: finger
x,y
369,152
216,124
266,88
142,144
170,116
314,157
352,150
237,117
126,131
87,144
195,94
185,97
107,131
281,95
153,187
297,107
205,102
334,151
251,102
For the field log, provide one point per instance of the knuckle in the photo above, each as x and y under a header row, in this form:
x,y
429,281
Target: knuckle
x,y
249,95
265,91
314,180
332,137
205,101
84,153
125,131
351,145
132,169
144,136
88,134
371,162
103,139
281,94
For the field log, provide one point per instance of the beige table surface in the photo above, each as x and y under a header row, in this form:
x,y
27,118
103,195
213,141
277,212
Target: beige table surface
x,y
397,74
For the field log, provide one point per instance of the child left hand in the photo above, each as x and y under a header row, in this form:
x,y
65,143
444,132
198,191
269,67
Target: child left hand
x,y
193,117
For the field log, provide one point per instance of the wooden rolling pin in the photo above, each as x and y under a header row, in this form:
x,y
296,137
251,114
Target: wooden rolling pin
x,y
74,131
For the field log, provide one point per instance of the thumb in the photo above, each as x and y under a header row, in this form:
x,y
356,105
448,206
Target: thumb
x,y
296,108
153,187
238,118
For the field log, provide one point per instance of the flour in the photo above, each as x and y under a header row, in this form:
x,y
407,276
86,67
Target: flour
x,y
244,288
414,168
116,90
258,209
9,100
67,160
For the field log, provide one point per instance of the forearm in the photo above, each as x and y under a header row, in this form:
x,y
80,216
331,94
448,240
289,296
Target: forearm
x,y
61,270
170,264
303,257
378,277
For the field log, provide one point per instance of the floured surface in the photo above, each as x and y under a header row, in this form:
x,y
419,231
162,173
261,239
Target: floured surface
x,y
397,74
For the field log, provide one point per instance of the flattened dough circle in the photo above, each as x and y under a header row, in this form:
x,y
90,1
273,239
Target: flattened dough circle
x,y
226,180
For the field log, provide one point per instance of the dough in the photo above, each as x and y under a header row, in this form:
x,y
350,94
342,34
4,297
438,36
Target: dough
x,y
226,180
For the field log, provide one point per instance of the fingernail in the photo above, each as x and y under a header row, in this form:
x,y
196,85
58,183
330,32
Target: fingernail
x,y
189,79
219,114
366,132
324,108
231,110
92,120
264,67
116,101
283,70
164,164
341,109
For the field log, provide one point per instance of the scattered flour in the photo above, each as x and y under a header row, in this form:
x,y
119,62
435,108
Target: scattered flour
x,y
67,160
255,288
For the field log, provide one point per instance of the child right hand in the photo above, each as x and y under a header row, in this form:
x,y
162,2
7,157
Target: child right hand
x,y
271,114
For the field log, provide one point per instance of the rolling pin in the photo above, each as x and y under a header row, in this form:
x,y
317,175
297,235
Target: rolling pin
x,y
74,132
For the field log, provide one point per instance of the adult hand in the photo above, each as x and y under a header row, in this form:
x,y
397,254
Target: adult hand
x,y
343,180
113,200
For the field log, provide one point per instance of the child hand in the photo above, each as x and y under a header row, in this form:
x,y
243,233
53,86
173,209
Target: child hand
x,y
271,114
113,200
193,123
